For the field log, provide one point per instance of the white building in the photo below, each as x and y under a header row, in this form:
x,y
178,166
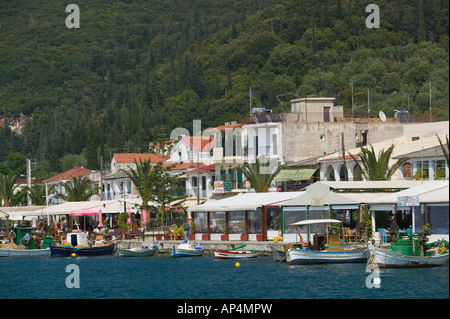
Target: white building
x,y
419,143
67,177
192,149
117,184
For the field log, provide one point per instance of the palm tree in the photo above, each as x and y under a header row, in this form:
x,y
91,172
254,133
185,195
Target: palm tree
x,y
377,169
260,176
79,189
445,147
154,183
38,193
7,187
143,179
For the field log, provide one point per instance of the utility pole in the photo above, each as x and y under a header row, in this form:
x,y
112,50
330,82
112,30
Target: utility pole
x,y
353,111
431,118
28,181
250,93
344,167
198,181
101,177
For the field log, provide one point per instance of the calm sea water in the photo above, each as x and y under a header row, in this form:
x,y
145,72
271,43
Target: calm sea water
x,y
161,277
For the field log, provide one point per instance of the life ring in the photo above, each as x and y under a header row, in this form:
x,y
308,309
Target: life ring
x,y
12,234
58,226
41,225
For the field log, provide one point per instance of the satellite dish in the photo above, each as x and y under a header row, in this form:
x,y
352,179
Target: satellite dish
x,y
382,116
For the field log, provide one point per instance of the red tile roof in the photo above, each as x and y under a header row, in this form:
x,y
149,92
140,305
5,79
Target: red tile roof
x,y
131,157
159,144
206,169
74,172
224,127
202,140
24,181
347,157
185,165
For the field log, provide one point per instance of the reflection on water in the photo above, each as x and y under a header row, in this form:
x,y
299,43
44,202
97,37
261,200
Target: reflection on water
x,y
207,278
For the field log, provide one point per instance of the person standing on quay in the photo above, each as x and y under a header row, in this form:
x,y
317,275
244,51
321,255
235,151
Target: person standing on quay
x,y
187,229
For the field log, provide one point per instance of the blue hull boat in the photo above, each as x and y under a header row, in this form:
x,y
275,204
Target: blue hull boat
x,y
66,251
187,250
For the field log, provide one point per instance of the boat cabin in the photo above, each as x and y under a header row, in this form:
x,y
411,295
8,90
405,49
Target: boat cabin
x,y
77,238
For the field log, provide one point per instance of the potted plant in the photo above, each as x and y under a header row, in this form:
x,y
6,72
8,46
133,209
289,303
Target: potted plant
x,y
205,237
192,231
168,234
224,237
259,237
244,237
426,229
178,231
364,227
123,225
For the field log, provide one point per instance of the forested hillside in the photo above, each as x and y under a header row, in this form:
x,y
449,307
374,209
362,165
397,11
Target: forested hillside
x,y
135,70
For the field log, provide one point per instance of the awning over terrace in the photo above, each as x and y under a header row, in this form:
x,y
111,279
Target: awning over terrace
x,y
246,201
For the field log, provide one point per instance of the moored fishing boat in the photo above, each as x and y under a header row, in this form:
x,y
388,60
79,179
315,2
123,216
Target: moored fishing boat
x,y
7,252
338,253
26,242
410,252
307,256
236,254
77,244
279,254
80,250
187,250
137,252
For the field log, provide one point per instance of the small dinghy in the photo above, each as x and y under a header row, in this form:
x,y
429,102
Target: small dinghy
x,y
145,251
228,254
5,252
236,254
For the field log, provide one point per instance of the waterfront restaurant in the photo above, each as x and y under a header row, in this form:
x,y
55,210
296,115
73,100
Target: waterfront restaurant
x,y
336,200
427,203
109,208
246,216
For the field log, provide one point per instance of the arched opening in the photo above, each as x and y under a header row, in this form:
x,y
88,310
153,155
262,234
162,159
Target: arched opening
x,y
407,170
342,173
330,173
357,173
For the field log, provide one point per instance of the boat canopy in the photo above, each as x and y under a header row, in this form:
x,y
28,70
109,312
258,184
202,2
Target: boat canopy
x,y
316,221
